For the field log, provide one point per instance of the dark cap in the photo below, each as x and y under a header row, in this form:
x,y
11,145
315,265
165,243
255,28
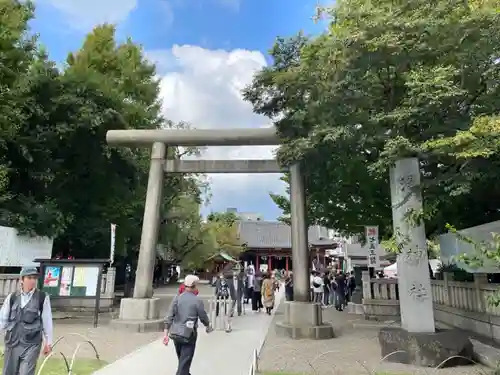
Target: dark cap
x,y
29,271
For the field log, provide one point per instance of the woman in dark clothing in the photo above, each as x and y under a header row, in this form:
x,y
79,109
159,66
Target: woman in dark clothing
x,y
326,289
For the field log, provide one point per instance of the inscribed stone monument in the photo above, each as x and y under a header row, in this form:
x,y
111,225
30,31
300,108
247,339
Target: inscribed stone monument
x,y
415,295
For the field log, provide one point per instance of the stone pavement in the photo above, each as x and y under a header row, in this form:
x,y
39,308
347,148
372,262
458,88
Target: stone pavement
x,y
217,353
355,351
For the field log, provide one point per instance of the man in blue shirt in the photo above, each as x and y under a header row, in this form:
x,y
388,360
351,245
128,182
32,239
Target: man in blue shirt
x,y
26,318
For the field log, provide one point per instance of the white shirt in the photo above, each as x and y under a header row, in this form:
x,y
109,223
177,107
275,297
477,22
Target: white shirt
x,y
311,280
318,280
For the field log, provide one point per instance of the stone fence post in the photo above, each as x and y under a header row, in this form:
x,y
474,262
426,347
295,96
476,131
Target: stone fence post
x,y
110,283
479,280
446,280
367,287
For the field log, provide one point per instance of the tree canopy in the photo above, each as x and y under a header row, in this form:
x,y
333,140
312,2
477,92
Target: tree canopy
x,y
58,176
390,80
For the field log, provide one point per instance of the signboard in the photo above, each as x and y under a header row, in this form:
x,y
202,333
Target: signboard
x,y
372,243
20,251
71,281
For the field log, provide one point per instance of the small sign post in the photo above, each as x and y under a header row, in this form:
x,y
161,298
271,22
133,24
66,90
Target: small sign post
x,y
372,243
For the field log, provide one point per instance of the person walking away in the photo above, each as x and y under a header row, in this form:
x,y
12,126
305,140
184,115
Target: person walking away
x,y
268,288
326,289
340,291
181,324
351,286
289,286
26,318
257,295
318,288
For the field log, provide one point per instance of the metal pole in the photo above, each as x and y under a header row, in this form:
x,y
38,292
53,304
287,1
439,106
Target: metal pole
x,y
300,248
149,236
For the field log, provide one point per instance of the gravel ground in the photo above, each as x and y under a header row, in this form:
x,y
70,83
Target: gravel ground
x,y
355,351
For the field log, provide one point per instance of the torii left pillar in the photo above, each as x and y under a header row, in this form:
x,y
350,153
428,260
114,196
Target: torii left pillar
x,y
142,312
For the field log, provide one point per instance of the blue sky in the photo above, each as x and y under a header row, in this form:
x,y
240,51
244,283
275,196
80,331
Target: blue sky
x,y
206,51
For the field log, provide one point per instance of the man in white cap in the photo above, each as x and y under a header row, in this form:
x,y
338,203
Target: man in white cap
x,y
181,324
26,318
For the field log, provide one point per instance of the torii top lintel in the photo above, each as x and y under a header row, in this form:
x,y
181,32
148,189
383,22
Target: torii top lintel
x,y
195,137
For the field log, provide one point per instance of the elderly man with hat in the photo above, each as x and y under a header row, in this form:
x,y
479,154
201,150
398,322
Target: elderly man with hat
x,y
181,323
26,318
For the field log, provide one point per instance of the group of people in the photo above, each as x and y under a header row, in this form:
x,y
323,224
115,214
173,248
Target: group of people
x,y
332,288
329,288
181,321
260,288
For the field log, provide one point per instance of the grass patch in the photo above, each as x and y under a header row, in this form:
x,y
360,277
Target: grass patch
x,y
58,367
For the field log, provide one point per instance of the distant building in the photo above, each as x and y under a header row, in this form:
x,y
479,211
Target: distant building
x,y
247,216
269,244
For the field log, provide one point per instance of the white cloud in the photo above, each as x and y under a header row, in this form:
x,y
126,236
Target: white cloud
x,y
203,88
85,14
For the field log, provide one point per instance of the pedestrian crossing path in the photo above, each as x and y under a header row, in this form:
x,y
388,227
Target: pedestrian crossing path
x,y
217,353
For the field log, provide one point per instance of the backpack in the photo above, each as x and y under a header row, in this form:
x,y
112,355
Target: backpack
x,y
41,300
223,290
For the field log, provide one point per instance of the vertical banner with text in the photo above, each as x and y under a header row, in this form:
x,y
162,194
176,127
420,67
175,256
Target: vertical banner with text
x,y
372,243
112,250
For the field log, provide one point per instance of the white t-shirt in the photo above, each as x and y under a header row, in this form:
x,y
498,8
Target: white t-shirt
x,y
319,281
311,278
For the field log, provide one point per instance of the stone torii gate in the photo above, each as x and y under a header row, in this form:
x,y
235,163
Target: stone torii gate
x,y
142,312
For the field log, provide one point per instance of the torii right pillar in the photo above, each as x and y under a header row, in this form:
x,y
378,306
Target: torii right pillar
x,y
417,341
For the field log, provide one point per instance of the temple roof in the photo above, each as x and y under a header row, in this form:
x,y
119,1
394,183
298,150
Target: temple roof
x,y
222,256
274,234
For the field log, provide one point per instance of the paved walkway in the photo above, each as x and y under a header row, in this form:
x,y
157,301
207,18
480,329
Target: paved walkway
x,y
217,353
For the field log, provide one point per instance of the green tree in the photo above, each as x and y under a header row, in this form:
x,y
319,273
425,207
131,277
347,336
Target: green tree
x,y
224,218
58,177
28,79
381,82
223,228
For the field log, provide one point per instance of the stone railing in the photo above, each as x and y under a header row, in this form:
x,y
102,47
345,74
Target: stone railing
x,y
459,304
9,283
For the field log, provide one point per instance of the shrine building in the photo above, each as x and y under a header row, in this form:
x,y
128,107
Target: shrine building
x,y
268,245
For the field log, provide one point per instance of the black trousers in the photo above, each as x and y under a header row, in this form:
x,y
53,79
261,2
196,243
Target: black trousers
x,y
185,354
257,301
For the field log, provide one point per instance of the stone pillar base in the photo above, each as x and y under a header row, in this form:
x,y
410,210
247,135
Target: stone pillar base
x,y
139,315
303,320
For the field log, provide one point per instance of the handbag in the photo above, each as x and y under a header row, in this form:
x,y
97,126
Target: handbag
x,y
182,333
